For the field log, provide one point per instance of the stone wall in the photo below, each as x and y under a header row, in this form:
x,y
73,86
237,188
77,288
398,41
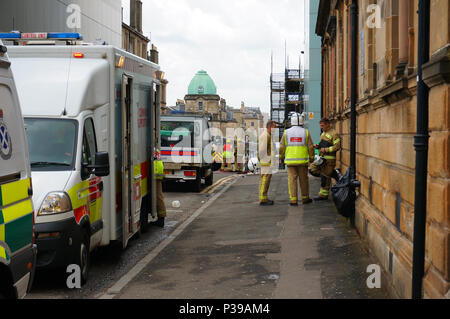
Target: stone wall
x,y
386,125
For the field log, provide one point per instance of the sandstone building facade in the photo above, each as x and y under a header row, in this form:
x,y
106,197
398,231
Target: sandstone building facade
x,y
386,125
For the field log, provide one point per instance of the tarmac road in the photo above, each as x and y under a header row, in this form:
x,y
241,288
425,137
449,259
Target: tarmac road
x,y
236,249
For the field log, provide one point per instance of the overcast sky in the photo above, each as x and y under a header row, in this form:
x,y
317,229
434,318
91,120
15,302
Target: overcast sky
x,y
230,39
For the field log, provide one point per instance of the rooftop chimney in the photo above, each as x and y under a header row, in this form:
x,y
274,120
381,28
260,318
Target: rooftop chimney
x,y
133,20
136,15
154,56
139,15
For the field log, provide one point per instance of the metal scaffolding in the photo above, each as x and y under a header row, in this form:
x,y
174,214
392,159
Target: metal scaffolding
x,y
286,96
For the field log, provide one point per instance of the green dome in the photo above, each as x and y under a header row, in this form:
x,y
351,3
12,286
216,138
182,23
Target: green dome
x,y
202,84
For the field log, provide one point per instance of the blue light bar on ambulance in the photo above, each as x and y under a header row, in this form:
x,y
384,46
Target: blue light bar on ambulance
x,y
71,36
9,35
41,36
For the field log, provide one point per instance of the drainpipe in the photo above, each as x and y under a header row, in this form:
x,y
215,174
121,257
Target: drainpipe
x,y
353,96
421,147
403,35
321,83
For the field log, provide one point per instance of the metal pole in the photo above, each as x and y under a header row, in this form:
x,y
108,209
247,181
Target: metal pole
x,y
321,85
421,147
353,86
353,97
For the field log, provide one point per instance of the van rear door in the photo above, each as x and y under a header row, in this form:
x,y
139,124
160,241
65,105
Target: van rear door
x,y
16,207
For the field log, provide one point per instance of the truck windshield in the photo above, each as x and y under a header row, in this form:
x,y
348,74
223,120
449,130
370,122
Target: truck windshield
x,y
51,143
177,134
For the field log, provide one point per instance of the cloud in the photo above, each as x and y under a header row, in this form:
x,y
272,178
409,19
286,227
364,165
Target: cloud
x,y
231,39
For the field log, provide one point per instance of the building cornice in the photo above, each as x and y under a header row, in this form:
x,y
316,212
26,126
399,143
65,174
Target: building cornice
x,y
135,32
323,17
213,97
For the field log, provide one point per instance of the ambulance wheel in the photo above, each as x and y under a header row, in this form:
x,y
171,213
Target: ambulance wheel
x,y
209,179
144,223
83,258
144,216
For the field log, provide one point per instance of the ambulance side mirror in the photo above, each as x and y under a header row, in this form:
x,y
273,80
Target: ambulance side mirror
x,y
101,167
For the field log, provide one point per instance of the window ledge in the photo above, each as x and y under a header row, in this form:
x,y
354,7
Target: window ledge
x,y
437,70
395,91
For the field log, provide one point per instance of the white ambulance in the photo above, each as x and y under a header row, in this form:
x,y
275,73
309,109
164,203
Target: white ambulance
x,y
17,248
92,120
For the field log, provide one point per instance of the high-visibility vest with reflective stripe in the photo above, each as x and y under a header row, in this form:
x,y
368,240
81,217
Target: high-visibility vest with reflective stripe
x,y
296,139
227,151
159,169
16,218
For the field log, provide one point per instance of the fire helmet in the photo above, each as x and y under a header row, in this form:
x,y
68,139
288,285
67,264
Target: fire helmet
x,y
297,119
253,164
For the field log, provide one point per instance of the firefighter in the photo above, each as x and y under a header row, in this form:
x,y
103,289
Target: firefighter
x,y
297,150
240,156
266,157
329,144
159,175
228,155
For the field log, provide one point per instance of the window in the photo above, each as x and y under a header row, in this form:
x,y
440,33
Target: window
x,y
131,45
89,147
200,106
177,134
51,143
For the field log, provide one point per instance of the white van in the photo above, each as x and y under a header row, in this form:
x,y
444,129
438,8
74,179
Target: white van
x,y
17,248
90,114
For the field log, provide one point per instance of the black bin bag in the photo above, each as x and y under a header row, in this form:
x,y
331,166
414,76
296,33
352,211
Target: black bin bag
x,y
344,194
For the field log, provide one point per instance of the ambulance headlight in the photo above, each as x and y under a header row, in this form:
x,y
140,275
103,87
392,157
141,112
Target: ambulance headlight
x,y
55,203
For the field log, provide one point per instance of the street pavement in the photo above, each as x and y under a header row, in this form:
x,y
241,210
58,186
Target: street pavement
x,y
233,248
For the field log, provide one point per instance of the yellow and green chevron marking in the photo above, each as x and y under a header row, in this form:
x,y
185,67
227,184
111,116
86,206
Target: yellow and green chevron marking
x,y
16,217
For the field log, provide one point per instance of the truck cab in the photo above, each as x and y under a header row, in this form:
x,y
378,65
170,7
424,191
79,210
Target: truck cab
x,y
17,247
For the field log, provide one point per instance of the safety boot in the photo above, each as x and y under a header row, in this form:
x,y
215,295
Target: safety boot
x,y
269,202
159,222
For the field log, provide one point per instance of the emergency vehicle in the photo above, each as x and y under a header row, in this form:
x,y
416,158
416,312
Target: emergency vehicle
x,y
91,114
17,248
187,149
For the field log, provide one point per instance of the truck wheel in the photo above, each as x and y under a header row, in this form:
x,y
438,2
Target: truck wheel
x,y
83,257
209,179
197,183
